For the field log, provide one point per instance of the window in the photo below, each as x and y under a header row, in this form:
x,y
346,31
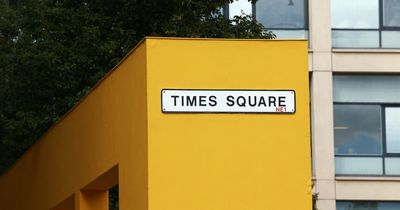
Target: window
x,y
367,205
286,18
365,23
367,124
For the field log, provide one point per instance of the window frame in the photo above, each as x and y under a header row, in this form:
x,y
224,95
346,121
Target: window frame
x,y
384,142
385,28
382,126
254,10
381,28
305,19
384,154
368,201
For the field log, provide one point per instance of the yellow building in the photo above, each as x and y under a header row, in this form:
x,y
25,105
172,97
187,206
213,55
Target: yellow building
x,y
244,143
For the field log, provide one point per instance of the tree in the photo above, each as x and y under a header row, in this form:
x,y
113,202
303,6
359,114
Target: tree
x,y
53,51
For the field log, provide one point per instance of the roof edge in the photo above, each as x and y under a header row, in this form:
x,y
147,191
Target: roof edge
x,y
221,39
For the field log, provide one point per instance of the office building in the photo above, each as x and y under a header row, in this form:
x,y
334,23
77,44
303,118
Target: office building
x,y
354,65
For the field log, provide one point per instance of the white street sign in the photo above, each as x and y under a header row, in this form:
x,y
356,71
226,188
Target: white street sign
x,y
228,101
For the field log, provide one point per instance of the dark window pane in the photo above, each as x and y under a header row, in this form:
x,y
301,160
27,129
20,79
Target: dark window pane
x,y
357,206
355,14
388,205
357,129
391,13
280,13
367,205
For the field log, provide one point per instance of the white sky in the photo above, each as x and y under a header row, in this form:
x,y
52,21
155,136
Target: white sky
x,y
237,7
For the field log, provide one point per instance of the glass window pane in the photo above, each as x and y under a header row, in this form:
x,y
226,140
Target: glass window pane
x,y
355,39
359,205
281,13
355,14
357,129
239,7
291,34
391,15
343,205
358,165
367,205
392,124
366,88
388,205
391,39
392,166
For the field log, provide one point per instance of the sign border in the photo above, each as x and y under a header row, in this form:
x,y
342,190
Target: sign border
x,y
191,112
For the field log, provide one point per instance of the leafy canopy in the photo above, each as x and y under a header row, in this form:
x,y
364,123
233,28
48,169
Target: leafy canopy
x,y
53,51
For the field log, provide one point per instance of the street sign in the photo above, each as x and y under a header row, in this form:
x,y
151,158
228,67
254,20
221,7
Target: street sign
x,y
228,101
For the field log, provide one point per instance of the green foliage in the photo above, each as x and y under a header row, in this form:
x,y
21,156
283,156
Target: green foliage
x,y
53,51
113,198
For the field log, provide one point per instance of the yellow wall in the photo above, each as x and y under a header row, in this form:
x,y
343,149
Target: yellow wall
x,y
166,161
228,161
